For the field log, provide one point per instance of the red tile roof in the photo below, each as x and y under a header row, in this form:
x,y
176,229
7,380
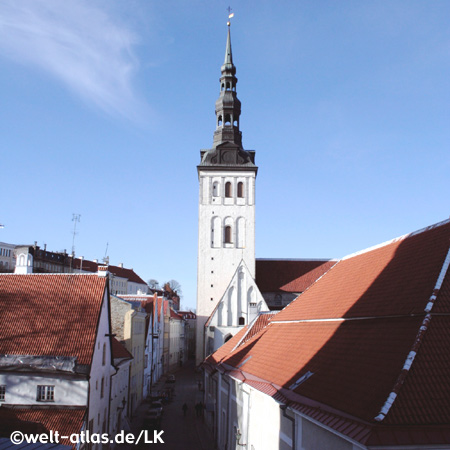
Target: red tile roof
x,y
119,351
372,336
395,278
257,325
122,272
130,274
50,314
289,275
64,420
174,315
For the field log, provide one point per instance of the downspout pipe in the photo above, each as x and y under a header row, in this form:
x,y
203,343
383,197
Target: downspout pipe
x,y
284,408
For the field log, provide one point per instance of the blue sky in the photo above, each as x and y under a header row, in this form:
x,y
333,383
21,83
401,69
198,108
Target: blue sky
x,y
106,105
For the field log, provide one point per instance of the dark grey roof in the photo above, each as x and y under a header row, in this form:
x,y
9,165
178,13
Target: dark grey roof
x,y
38,363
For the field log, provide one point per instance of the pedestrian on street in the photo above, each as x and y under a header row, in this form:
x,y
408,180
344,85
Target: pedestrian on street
x,y
184,408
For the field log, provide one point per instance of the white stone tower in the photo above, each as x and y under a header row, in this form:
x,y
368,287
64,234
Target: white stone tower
x,y
226,175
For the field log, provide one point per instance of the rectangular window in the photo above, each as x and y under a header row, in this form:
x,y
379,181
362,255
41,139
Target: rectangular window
x,y
102,388
46,393
2,393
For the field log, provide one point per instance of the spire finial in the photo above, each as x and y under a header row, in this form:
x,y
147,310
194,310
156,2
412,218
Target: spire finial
x,y
230,15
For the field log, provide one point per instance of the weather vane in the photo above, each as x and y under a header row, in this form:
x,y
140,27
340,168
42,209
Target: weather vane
x,y
230,15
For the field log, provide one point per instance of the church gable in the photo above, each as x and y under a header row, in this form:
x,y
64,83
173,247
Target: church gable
x,y
240,305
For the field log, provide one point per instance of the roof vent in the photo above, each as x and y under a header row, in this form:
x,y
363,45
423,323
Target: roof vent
x,y
301,380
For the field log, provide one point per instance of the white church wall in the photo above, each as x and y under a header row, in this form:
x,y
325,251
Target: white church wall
x,y
217,259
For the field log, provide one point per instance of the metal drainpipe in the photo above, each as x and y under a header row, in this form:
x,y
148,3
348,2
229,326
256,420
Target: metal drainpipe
x,y
292,419
228,408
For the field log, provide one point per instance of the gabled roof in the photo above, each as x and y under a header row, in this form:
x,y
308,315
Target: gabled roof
x,y
119,351
174,315
289,275
130,274
257,325
122,272
367,343
50,314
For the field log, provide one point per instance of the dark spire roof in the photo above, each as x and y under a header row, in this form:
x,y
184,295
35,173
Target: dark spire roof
x,y
228,53
227,141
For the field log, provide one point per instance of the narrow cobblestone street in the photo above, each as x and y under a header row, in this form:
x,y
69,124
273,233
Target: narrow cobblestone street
x,y
180,432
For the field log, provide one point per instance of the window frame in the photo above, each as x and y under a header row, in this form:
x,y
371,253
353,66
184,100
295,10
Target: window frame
x,y
45,393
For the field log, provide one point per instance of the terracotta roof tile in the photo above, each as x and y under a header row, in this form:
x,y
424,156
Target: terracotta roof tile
x,y
355,333
396,278
285,275
50,314
257,325
119,351
64,420
130,274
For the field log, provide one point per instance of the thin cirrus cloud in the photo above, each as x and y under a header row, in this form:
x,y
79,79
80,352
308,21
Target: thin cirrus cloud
x,y
79,44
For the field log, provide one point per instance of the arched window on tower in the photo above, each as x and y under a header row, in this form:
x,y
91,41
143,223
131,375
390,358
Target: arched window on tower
x,y
228,189
219,121
240,189
228,85
227,119
241,321
228,234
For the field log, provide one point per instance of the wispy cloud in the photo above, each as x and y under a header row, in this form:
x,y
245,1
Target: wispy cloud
x,y
80,44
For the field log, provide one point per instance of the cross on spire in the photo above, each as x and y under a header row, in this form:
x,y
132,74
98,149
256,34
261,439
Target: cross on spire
x,y
230,15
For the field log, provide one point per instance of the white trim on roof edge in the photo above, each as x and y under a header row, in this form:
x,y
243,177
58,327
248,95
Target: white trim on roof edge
x,y
400,238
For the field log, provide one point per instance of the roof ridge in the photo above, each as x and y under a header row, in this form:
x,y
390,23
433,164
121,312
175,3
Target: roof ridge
x,y
67,274
297,259
417,342
250,327
399,238
337,261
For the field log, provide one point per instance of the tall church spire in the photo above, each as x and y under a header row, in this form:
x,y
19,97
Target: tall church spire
x,y
228,106
226,224
228,110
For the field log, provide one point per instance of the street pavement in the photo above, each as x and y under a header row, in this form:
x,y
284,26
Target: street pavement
x,y
181,432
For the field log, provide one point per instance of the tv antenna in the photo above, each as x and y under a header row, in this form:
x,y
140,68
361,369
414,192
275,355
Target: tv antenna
x,y
75,219
106,258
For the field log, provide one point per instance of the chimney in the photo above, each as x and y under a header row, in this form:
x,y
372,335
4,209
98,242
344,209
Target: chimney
x,y
102,271
121,265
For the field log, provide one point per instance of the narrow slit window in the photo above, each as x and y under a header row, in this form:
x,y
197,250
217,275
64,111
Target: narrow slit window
x,y
240,189
227,234
227,189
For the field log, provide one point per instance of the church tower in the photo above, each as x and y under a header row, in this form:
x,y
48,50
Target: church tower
x,y
226,175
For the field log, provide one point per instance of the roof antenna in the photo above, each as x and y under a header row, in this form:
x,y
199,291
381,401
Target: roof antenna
x,y
75,219
106,258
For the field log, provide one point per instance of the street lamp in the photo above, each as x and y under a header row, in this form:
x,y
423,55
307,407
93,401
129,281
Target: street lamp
x,y
238,438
